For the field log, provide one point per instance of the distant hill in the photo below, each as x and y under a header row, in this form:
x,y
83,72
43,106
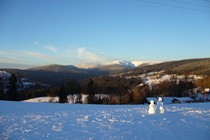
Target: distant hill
x,y
188,66
57,68
98,70
114,68
57,74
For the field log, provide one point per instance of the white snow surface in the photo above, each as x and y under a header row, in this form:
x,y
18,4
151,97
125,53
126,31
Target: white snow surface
x,y
42,99
21,120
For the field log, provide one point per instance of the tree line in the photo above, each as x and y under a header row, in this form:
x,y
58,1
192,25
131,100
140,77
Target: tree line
x,y
119,90
8,88
11,90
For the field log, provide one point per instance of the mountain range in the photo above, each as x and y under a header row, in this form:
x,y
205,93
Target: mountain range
x,y
56,74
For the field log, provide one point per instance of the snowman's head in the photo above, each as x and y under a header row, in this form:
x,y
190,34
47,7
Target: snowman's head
x,y
151,102
160,99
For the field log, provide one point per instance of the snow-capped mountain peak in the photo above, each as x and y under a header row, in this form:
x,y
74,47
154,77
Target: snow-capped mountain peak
x,y
126,63
121,62
133,64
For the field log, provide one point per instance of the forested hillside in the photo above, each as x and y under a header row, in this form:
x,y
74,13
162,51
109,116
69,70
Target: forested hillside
x,y
189,66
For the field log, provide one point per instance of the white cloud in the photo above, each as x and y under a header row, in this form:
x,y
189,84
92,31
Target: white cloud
x,y
51,48
89,57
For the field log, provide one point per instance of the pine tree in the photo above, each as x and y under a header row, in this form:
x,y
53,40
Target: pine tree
x,y
1,89
12,88
73,87
62,95
90,91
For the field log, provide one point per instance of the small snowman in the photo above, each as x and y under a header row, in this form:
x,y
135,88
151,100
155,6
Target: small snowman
x,y
152,107
160,105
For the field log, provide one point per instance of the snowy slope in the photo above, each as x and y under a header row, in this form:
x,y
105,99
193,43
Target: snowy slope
x,y
20,120
42,99
145,63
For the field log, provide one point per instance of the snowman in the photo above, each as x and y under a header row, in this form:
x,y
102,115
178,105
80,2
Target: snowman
x,y
152,107
160,105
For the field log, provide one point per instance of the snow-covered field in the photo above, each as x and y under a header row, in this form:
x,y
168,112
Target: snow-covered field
x,y
21,120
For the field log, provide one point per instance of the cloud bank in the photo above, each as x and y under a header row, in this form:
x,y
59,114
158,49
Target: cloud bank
x,y
76,56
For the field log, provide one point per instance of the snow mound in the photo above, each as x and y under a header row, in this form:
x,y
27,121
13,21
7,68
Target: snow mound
x,y
42,99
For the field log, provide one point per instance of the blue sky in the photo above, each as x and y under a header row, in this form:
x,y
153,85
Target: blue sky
x,y
41,32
